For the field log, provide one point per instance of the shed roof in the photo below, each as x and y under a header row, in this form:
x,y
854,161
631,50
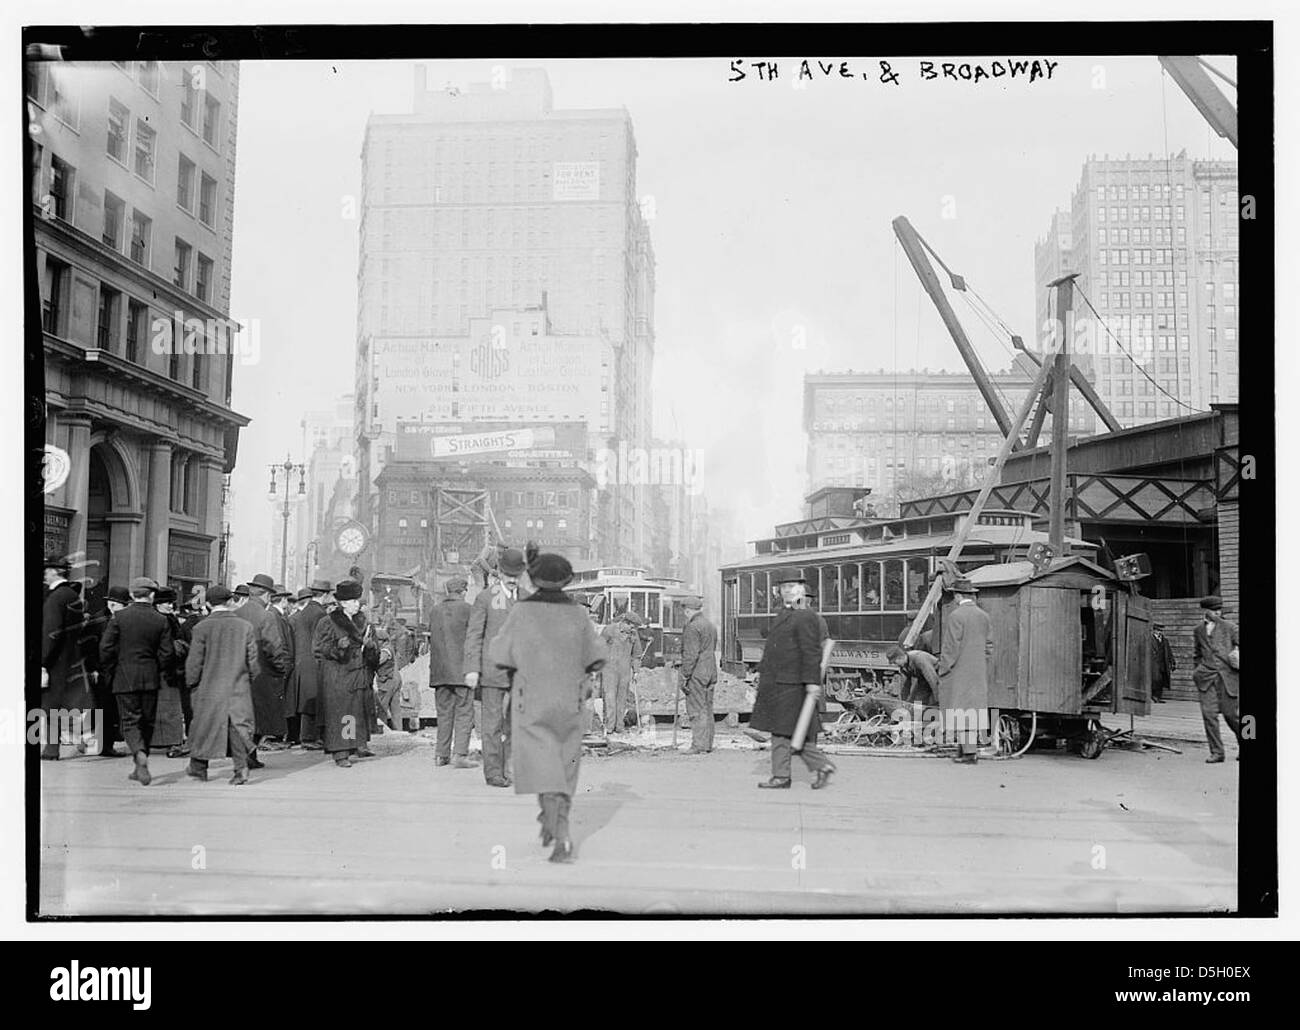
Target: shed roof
x,y
1014,573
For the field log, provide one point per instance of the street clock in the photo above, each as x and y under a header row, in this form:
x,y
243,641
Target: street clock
x,y
351,538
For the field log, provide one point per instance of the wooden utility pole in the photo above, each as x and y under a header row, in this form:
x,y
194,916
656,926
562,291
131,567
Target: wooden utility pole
x,y
1060,412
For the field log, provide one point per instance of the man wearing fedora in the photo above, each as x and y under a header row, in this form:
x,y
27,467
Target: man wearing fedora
x,y
699,672
273,661
791,669
174,712
115,599
279,610
64,681
137,644
448,627
487,615
1162,662
963,670
1214,652
303,685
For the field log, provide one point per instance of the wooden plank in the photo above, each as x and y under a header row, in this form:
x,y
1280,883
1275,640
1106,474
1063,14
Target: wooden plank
x,y
1055,651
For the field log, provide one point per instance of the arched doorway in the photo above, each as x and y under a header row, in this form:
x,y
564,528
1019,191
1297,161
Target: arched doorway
x,y
98,531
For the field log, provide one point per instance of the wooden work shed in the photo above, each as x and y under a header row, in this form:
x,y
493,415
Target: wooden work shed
x,y
1069,640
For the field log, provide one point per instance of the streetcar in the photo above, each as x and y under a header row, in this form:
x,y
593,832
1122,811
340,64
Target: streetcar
x,y
867,576
658,602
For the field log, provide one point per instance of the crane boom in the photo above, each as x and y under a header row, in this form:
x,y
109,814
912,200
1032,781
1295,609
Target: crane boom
x,y
1193,80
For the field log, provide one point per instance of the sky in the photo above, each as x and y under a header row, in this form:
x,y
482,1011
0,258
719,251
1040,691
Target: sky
x,y
771,213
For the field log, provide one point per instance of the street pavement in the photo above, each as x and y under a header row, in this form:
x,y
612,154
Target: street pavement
x,y
656,832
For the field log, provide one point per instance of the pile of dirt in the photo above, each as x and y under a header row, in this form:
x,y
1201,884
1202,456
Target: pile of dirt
x,y
655,689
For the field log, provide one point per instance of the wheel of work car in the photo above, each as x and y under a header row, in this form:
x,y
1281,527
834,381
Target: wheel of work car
x,y
1010,737
1093,744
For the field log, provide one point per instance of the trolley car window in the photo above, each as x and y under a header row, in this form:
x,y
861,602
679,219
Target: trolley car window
x,y
894,584
746,593
871,584
850,581
918,574
639,607
830,595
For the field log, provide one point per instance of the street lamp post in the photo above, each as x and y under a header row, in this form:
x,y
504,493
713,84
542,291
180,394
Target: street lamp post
x,y
289,468
312,552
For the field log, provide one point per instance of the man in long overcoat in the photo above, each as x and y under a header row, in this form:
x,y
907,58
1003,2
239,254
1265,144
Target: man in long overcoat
x,y
220,669
1162,662
115,599
448,627
303,682
1214,643
487,615
963,671
279,610
348,664
174,712
272,659
66,686
137,643
547,648
791,669
699,673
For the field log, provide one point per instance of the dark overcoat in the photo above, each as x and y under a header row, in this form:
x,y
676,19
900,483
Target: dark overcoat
x,y
61,650
303,681
273,661
448,627
347,673
964,657
1210,653
547,648
1162,661
487,615
169,722
792,658
137,644
220,670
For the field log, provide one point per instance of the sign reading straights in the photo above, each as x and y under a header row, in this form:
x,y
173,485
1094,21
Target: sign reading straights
x,y
576,180
482,443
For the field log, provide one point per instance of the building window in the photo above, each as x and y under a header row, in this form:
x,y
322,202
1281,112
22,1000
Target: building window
x,y
174,362
148,74
181,272
64,104
189,96
203,279
141,230
110,305
114,220
207,199
119,128
38,81
401,523
56,289
62,176
197,367
185,184
137,316
211,120
145,146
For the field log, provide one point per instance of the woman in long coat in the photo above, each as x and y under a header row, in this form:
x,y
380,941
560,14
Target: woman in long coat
x,y
220,668
347,665
547,647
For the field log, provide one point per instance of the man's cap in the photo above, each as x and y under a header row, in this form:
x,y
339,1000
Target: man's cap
x,y
511,562
57,561
304,594
347,590
219,594
962,585
790,576
240,591
280,591
119,594
455,585
321,586
164,595
262,580
1157,625
142,583
1212,603
402,622
694,601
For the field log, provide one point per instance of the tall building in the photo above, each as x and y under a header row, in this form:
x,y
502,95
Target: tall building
x,y
1155,243
929,430
132,167
330,456
498,230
